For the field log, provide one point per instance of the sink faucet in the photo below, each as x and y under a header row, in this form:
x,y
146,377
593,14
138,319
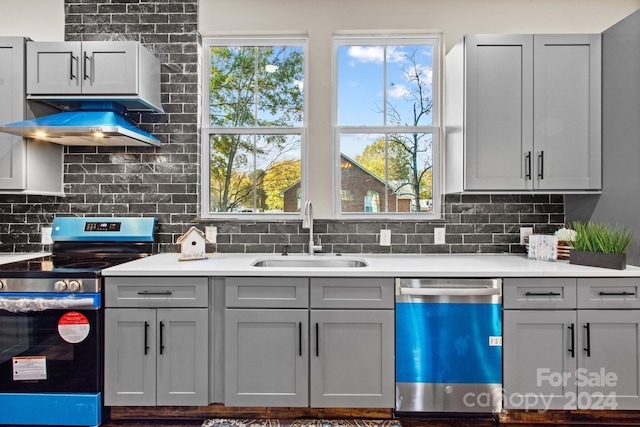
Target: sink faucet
x,y
307,222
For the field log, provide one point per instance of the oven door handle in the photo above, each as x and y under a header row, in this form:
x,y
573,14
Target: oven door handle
x,y
27,304
450,291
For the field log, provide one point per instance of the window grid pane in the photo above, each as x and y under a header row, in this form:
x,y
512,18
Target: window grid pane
x,y
386,126
255,126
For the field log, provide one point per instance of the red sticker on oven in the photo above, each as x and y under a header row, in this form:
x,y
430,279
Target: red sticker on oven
x,y
73,327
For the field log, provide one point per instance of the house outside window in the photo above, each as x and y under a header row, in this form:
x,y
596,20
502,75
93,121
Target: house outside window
x,y
254,126
387,126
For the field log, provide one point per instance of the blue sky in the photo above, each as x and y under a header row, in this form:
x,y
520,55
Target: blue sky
x,y
362,85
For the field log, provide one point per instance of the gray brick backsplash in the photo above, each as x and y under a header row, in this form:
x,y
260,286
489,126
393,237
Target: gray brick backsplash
x,y
163,182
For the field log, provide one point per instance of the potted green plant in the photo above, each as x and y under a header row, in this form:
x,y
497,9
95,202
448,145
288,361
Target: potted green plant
x,y
600,245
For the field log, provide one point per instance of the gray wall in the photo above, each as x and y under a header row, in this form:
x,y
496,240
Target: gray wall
x,y
619,202
163,182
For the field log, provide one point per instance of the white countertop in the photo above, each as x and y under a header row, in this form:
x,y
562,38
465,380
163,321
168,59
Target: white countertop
x,y
462,265
7,258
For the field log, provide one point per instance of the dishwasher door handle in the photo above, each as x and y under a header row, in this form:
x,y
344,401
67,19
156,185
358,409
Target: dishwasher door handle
x,y
450,291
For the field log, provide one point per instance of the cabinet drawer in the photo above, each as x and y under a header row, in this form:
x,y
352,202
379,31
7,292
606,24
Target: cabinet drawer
x,y
157,292
267,292
352,293
534,293
606,292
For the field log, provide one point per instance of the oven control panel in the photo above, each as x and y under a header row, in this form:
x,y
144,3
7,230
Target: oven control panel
x,y
102,226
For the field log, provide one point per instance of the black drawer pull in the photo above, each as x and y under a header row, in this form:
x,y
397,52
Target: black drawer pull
x,y
618,294
317,340
154,293
161,337
542,294
300,339
587,328
146,340
572,350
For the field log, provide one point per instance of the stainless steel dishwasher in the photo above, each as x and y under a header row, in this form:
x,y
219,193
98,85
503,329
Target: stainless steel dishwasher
x,y
449,345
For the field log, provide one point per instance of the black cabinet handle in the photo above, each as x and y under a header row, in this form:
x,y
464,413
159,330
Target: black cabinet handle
x,y
542,294
161,340
572,350
300,339
528,166
587,327
541,165
84,66
72,58
146,339
317,340
154,293
619,294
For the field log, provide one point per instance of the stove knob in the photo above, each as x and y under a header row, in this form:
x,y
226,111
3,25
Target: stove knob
x,y
60,286
74,285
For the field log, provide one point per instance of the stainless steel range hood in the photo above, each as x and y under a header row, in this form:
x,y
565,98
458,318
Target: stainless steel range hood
x,y
95,123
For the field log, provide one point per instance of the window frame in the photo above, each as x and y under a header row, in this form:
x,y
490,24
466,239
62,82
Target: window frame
x,y
435,129
207,130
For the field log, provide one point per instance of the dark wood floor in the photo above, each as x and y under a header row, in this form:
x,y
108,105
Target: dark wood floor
x,y
405,423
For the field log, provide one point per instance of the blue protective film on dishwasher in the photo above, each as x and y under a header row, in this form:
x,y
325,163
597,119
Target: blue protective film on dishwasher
x,y
448,343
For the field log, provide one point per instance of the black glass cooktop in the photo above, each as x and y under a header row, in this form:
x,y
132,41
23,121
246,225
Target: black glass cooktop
x,y
72,266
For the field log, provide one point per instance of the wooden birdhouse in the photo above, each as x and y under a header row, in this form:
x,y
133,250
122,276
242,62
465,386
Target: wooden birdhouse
x,y
192,245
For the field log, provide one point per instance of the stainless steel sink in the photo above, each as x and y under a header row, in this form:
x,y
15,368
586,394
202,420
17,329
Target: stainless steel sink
x,y
310,262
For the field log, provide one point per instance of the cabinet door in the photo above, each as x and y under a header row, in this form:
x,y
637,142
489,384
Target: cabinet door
x,y
609,374
352,354
130,357
54,68
183,357
499,112
266,357
539,350
110,68
567,111
12,109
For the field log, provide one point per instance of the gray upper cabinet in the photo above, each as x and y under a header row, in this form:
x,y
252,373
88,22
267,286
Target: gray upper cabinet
x,y
124,70
26,166
567,112
523,113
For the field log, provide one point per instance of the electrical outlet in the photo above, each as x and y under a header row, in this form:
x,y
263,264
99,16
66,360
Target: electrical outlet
x,y
438,236
211,234
45,236
524,232
385,237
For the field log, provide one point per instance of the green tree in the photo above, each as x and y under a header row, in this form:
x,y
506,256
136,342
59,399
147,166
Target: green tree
x,y
280,176
373,159
410,154
251,87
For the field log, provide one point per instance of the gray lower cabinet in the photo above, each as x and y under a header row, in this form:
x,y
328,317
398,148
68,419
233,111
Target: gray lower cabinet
x,y
156,341
26,166
296,342
580,352
351,358
266,357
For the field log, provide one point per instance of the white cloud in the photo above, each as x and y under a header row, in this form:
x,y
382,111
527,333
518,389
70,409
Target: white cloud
x,y
398,91
376,54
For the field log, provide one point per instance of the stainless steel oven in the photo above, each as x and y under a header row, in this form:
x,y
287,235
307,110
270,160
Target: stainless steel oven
x,y
52,321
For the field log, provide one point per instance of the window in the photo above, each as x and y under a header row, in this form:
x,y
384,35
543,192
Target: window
x,y
254,127
387,126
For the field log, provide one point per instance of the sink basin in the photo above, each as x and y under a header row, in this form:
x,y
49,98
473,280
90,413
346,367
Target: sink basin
x,y
310,262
